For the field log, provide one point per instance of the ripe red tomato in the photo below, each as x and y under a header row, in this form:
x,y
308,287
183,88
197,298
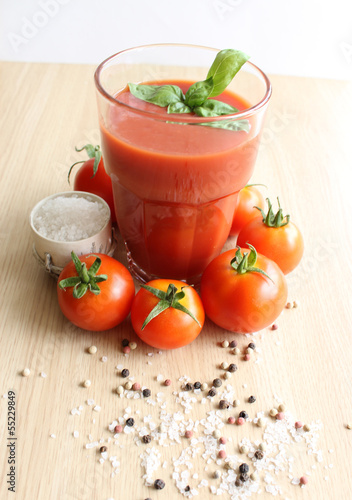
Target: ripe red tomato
x,y
92,177
95,310
248,198
279,240
172,327
237,296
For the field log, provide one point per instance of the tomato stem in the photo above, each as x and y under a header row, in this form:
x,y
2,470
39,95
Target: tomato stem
x,y
245,263
87,279
170,298
271,219
93,152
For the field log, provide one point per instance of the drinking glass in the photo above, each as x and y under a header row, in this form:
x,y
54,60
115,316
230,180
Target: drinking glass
x,y
176,177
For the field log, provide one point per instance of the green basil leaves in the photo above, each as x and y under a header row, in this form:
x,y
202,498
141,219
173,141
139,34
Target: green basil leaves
x,y
225,66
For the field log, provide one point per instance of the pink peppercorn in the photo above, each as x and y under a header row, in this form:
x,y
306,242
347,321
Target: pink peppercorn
x,y
274,326
118,429
222,454
247,357
298,425
126,349
136,386
167,381
222,440
231,420
188,434
303,480
240,421
280,415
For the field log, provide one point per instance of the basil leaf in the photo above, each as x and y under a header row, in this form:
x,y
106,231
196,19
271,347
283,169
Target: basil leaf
x,y
178,107
199,92
212,107
225,66
161,95
233,125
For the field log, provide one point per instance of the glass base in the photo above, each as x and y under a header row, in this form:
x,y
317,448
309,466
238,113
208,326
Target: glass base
x,y
144,277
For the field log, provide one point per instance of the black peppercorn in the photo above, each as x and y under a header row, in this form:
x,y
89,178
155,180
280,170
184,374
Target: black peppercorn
x,y
243,414
223,404
159,484
103,449
146,439
146,393
197,385
188,488
259,455
125,373
217,382
233,343
232,368
244,477
251,399
212,393
188,386
251,345
125,342
243,468
130,422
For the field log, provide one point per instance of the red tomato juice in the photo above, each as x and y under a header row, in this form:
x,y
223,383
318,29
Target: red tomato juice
x,y
175,185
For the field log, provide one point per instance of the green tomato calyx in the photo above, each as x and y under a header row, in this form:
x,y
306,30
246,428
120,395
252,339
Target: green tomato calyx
x,y
93,152
87,279
245,263
170,298
271,219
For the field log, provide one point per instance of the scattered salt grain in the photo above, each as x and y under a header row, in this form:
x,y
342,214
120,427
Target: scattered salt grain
x,y
75,434
53,436
43,374
104,359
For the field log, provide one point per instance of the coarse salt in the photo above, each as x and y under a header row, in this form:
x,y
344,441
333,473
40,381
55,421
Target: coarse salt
x,y
70,218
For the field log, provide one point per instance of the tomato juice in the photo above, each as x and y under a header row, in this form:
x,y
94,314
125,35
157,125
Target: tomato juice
x,y
175,184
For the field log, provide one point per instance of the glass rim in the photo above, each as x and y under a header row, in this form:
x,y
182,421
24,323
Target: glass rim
x,y
184,117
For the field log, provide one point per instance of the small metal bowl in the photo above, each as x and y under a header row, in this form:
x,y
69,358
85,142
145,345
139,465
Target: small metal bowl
x,y
54,255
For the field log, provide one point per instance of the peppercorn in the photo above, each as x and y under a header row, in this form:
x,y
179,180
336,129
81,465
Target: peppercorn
x,y
217,382
188,488
159,484
125,372
130,422
238,482
167,382
251,345
233,343
232,368
244,477
125,342
222,440
251,399
212,393
224,365
188,386
128,385
103,449
146,393
126,349
259,455
146,439
118,429
197,385
243,468
225,343
243,414
132,345
240,421
136,386
188,434
236,402
223,404
204,386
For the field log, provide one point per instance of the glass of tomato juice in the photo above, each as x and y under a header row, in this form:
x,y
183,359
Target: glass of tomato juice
x,y
175,177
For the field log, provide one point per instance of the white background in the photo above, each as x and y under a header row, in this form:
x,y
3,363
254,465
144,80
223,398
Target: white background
x,y
296,37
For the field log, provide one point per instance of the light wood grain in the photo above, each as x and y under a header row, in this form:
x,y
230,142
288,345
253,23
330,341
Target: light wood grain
x,y
46,110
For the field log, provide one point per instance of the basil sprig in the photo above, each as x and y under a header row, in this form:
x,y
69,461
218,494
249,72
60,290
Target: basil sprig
x,y
226,65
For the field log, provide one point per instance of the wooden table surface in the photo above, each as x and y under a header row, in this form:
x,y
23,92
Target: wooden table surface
x,y
46,110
